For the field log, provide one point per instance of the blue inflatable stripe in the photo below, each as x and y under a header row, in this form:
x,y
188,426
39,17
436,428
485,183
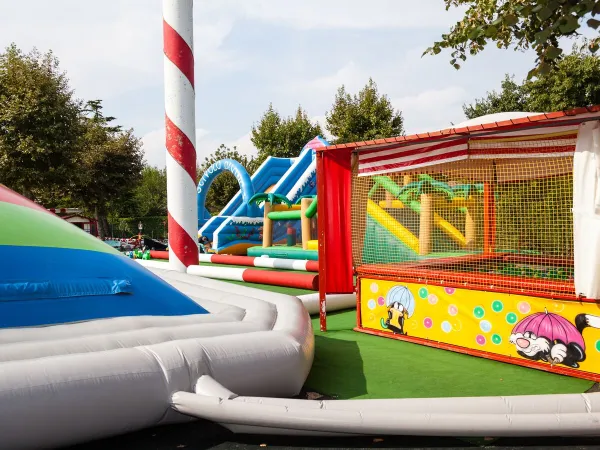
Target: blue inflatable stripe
x,y
33,290
44,286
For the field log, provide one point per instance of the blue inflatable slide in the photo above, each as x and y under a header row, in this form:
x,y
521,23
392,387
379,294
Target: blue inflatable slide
x,y
238,226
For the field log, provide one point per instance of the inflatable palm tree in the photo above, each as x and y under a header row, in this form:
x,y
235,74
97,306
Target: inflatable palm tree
x,y
273,199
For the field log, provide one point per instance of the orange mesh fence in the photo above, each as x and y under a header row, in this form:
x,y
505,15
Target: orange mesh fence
x,y
503,223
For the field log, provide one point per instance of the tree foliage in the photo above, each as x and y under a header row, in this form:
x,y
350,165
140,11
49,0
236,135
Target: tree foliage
x,y
40,127
110,167
59,150
574,82
150,195
522,24
283,137
510,98
364,116
225,185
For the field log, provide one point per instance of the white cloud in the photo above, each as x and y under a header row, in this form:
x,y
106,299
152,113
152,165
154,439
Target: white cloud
x,y
322,120
244,145
113,50
109,48
432,109
346,14
153,145
351,75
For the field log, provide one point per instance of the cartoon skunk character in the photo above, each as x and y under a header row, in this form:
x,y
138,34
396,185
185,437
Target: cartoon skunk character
x,y
400,305
552,338
396,315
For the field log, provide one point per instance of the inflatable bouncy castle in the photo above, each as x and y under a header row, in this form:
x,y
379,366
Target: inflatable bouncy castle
x,y
55,273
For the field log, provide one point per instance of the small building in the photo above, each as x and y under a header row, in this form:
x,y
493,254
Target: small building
x,y
76,217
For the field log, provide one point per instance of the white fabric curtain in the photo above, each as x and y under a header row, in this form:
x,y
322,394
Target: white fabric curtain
x,y
586,210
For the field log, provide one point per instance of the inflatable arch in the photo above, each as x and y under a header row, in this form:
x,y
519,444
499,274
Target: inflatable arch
x,y
243,179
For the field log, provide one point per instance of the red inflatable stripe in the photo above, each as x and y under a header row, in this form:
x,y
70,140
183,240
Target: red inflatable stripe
x,y
159,254
181,148
232,260
295,280
181,243
174,43
312,266
9,196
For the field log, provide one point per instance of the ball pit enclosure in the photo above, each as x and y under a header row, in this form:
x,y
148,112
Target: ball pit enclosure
x,y
482,240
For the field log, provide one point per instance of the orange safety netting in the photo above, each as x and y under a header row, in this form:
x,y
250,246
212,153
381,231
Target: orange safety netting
x,y
502,223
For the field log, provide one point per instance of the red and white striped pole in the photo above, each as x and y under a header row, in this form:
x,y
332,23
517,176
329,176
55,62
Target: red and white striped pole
x,y
180,103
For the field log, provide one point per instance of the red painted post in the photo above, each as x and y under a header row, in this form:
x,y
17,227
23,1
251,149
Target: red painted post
x,y
321,217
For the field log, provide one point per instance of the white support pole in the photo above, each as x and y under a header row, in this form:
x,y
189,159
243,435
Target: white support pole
x,y
180,124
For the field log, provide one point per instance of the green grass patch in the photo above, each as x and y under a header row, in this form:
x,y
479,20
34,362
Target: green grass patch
x,y
349,364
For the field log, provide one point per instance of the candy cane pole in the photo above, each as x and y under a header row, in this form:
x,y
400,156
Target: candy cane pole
x,y
180,124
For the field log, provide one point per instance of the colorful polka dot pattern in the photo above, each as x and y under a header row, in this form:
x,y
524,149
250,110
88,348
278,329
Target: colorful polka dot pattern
x,y
490,317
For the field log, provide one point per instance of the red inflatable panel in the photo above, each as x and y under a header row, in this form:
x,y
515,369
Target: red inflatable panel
x,y
295,280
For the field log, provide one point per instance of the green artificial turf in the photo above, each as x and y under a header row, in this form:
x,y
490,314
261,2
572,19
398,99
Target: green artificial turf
x,y
349,364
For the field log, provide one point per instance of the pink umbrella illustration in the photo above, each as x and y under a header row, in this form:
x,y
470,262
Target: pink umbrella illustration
x,y
551,326
549,337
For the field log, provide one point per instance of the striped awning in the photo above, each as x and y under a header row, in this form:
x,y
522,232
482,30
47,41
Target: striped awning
x,y
551,140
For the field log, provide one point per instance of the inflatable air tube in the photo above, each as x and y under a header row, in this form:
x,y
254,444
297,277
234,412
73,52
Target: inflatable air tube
x,y
271,263
270,277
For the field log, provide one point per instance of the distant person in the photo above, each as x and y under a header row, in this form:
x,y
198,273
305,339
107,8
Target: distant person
x,y
204,244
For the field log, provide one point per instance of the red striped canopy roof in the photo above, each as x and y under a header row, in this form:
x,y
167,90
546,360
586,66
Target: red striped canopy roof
x,y
537,136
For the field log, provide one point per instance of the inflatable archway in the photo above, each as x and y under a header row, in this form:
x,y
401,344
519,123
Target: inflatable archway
x,y
240,174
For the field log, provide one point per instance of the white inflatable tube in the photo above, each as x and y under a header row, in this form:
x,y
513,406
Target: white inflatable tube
x,y
221,273
542,415
280,263
154,264
204,257
266,262
82,381
334,302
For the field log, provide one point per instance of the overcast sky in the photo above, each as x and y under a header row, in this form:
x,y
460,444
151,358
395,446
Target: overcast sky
x,y
252,52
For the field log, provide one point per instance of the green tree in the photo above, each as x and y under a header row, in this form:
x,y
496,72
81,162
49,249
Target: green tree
x,y
283,137
510,98
522,24
225,185
150,195
110,168
40,127
365,116
574,82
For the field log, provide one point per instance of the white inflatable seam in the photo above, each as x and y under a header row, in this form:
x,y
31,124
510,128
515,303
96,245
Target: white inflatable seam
x,y
110,325
123,340
186,363
115,376
166,375
587,402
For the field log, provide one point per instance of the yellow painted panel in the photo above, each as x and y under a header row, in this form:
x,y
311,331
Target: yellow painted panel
x,y
549,331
